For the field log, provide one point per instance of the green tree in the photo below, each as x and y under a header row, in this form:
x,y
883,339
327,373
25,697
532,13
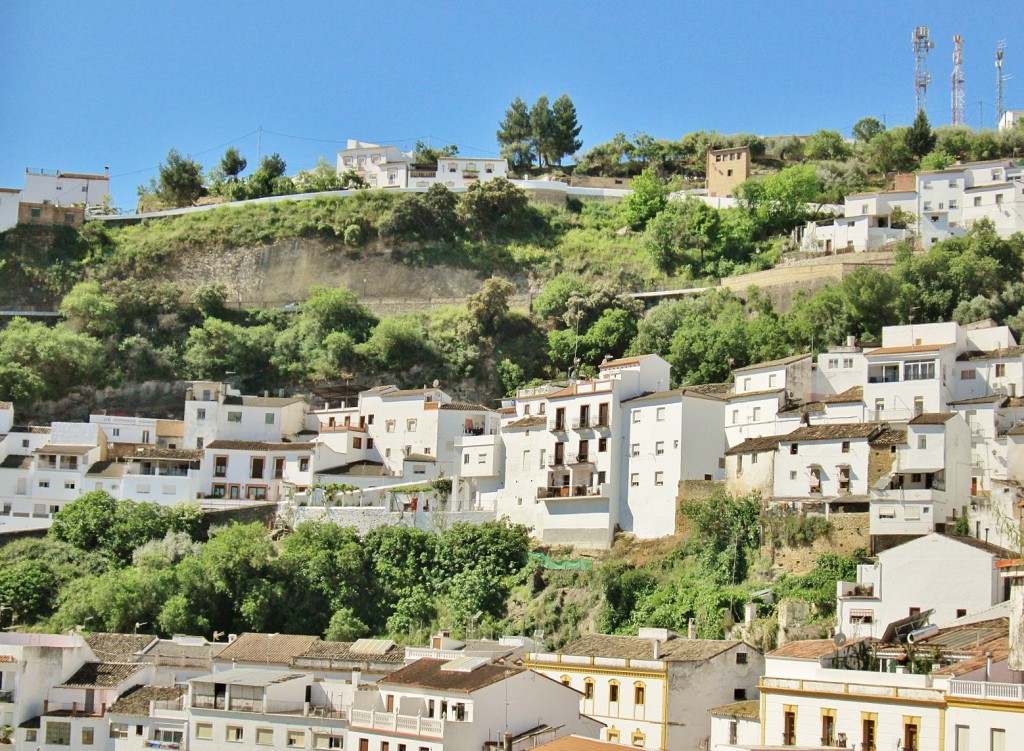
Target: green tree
x,y
428,156
396,344
726,531
648,196
515,136
867,128
345,626
27,588
544,131
778,202
42,362
181,180
232,164
888,151
683,225
826,144
87,308
489,306
567,128
86,521
497,208
920,138
936,160
219,347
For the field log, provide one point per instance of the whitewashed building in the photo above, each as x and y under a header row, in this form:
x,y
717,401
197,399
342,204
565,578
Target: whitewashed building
x,y
388,167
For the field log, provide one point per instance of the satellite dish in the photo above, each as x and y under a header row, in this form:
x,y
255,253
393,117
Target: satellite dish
x,y
839,639
436,383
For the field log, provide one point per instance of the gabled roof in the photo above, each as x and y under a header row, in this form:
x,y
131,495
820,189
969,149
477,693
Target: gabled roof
x,y
261,401
266,649
773,363
117,647
933,418
258,446
16,461
682,391
346,651
578,743
531,421
807,408
747,394
361,468
676,649
135,702
623,362
812,649
419,458
851,395
889,437
746,710
106,468
102,674
465,407
1003,353
987,399
431,674
145,451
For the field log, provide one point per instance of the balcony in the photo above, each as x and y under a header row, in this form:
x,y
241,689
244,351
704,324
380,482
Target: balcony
x,y
556,461
396,723
985,690
579,459
583,423
556,426
431,173
7,696
853,590
572,491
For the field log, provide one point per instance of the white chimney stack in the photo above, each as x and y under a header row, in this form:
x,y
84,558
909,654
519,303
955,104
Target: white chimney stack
x,y
691,629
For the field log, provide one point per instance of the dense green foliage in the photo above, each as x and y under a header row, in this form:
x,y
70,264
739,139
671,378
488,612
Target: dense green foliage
x,y
544,132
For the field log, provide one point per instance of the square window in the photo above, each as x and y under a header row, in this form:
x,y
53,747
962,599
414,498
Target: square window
x,y
739,694
234,416
233,734
659,478
660,415
634,480
846,447
636,417
296,738
268,418
634,450
659,448
741,658
200,414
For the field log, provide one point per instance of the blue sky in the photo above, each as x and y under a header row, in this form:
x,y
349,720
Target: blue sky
x,y
90,84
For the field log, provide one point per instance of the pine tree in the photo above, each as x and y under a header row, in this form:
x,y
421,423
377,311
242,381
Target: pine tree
x,y
920,137
232,164
544,131
515,136
566,128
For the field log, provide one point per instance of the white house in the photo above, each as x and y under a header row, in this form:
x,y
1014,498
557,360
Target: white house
x,y
45,188
735,725
896,586
760,391
654,690
388,167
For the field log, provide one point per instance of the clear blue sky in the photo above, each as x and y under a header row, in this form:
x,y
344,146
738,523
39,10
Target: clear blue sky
x,y
89,84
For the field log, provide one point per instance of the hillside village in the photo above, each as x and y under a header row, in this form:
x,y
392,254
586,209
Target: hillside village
x,y
564,525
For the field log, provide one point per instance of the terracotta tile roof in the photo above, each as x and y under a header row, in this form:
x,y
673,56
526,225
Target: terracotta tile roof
x,y
410,392
146,451
906,350
1017,429
622,362
465,407
102,674
361,468
34,429
746,394
106,468
507,411
808,408
342,651
16,461
695,391
532,421
258,446
988,547
851,395
7,658
933,418
380,389
992,354
261,401
987,399
578,743
998,648
711,388
676,649
812,649
430,674
747,710
167,651
773,363
135,701
419,458
266,649
889,437
66,448
117,647
835,431
756,445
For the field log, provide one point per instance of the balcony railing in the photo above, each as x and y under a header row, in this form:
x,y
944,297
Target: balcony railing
x,y
396,723
571,491
556,461
985,690
557,426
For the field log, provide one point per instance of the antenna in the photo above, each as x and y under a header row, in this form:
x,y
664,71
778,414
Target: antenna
x,y
922,45
1000,80
957,94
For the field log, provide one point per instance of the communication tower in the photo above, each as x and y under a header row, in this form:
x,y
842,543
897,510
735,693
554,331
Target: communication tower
x,y
957,97
922,45
1000,79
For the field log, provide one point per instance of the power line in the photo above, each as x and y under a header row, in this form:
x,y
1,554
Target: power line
x,y
198,153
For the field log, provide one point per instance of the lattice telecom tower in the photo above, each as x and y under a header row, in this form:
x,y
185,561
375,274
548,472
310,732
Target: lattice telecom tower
x,y
922,45
1000,78
957,97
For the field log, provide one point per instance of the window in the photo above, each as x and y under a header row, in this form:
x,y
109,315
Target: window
x,y
660,414
918,370
264,736
256,468
636,416
867,736
419,469
847,362
741,658
44,483
998,739
612,735
233,734
757,414
304,464
325,741
389,426
234,416
410,425
613,692
953,204
565,680
634,450
922,442
204,731
927,205
739,694
199,443
58,733
296,738
735,416
526,459
845,447
961,612
746,384
481,458
602,445
659,478
1000,370
116,432
278,467
789,725
588,688
268,418
968,375
733,732
639,694
88,735
634,480
357,443
465,458
792,474
860,615
999,198
69,485
887,512
117,730
659,448
639,739
828,727
543,459
977,200
36,213
753,458
793,448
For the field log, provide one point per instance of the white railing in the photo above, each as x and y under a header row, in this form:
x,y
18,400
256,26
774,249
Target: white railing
x,y
986,690
393,722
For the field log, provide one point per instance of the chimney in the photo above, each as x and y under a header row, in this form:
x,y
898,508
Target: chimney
x,y
74,709
851,340
691,629
46,706
357,676
507,742
106,172
657,648
749,613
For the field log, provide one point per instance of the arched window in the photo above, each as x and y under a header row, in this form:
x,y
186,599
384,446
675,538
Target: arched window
x,y
613,691
566,680
588,688
638,739
639,693
612,735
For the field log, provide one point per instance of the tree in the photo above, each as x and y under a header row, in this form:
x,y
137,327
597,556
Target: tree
x,y
43,362
889,151
683,225
826,144
567,129
325,177
920,138
544,131
181,180
867,128
936,160
232,164
497,208
778,202
489,306
345,626
429,155
515,136
648,196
